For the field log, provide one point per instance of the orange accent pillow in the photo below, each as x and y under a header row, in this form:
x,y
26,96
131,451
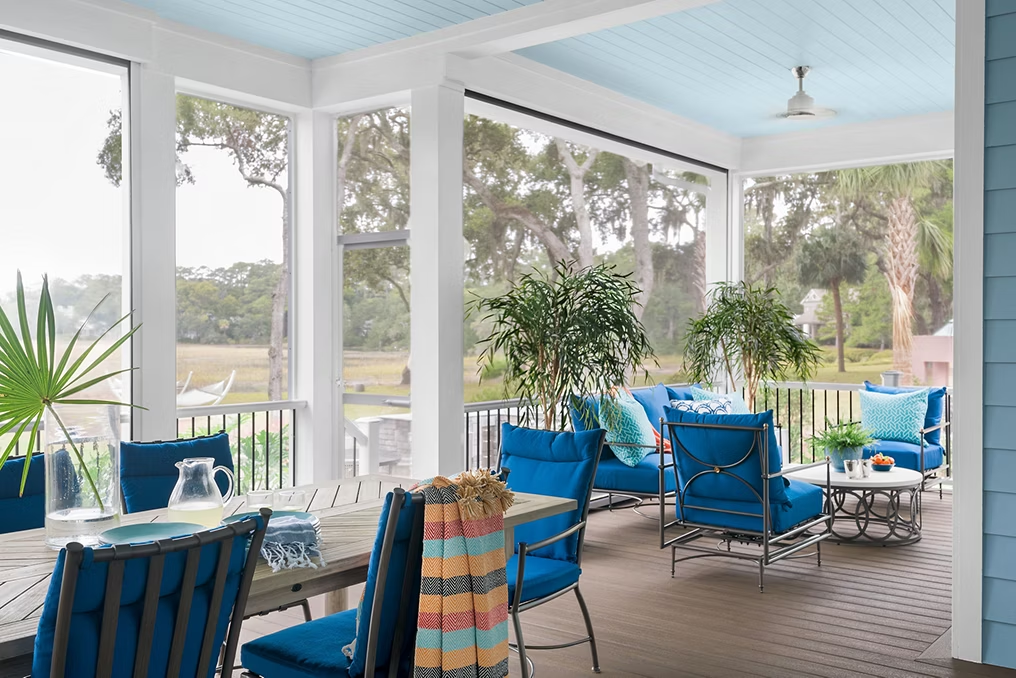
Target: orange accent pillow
x,y
666,443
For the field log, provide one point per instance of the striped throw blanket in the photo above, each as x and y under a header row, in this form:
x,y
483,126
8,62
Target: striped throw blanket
x,y
463,619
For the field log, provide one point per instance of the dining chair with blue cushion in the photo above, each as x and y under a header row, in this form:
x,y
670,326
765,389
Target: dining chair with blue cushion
x,y
385,636
731,488
28,511
161,608
548,552
148,470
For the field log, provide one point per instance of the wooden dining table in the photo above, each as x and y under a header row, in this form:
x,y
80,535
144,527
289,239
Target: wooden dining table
x,y
348,510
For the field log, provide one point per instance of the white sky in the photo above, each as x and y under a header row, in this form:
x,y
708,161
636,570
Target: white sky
x,y
58,213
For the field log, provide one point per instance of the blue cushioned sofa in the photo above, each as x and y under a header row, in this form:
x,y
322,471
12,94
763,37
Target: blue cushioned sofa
x,y
641,482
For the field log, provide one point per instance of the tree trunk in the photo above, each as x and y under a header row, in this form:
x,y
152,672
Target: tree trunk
x,y
838,311
578,173
901,269
637,175
699,272
280,299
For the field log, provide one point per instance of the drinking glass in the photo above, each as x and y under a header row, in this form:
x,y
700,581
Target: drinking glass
x,y
290,500
259,499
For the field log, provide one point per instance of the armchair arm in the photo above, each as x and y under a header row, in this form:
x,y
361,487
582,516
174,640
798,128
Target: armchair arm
x,y
795,469
652,447
942,426
525,548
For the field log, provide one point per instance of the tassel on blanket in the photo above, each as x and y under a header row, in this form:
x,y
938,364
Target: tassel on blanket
x,y
291,542
481,495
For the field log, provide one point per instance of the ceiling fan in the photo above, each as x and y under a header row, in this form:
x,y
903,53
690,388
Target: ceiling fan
x,y
801,106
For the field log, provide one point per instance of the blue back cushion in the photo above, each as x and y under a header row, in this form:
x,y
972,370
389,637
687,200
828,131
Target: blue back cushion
x,y
393,584
148,471
653,399
29,511
558,464
936,406
721,447
681,392
90,595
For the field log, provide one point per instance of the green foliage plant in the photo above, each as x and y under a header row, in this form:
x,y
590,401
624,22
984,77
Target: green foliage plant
x,y
747,332
849,435
570,334
33,378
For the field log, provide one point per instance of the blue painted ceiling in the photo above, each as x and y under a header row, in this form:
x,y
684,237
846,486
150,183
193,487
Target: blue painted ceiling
x,y
728,64
725,64
320,28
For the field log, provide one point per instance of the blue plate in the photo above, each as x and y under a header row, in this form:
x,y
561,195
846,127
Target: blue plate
x,y
275,514
142,532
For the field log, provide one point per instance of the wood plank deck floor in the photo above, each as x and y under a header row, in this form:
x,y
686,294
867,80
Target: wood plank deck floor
x,y
868,611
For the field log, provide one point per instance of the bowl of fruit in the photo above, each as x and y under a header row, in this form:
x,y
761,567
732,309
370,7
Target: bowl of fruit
x,y
880,462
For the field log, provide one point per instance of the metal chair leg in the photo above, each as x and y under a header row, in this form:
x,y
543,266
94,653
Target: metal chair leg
x,y
818,551
761,576
305,604
589,630
523,660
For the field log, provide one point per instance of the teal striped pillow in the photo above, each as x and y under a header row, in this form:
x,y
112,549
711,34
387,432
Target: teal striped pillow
x,y
894,416
627,422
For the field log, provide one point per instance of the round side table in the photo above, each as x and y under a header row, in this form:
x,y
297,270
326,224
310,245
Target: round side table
x,y
883,509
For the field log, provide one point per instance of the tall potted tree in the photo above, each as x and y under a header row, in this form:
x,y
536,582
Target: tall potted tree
x,y
573,333
748,335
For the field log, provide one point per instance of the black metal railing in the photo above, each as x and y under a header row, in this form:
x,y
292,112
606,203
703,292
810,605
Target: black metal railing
x,y
262,437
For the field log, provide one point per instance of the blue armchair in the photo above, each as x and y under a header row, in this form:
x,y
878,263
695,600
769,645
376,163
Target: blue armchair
x,y
641,482
548,552
731,488
386,634
160,608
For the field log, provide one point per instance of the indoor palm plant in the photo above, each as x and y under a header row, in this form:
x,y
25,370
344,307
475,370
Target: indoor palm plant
x,y
570,334
748,336
46,395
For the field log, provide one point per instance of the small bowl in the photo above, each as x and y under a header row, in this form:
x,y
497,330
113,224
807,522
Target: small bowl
x,y
883,467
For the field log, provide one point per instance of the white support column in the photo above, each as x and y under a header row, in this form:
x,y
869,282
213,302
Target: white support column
x,y
718,232
735,212
153,245
436,253
314,302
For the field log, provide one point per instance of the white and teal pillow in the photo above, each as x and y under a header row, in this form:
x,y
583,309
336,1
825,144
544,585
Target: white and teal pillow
x,y
718,406
892,416
627,422
737,404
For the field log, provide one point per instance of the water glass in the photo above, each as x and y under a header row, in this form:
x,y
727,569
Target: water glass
x,y
290,500
259,499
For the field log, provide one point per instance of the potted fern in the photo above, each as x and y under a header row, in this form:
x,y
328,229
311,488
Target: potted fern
x,y
47,393
842,442
571,334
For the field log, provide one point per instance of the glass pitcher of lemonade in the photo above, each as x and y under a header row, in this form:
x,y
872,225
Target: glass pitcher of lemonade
x,y
196,497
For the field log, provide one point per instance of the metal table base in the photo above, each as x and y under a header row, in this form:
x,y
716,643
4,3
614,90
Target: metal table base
x,y
876,517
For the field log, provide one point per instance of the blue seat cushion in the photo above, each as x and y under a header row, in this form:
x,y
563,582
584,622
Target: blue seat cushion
x,y
310,650
643,478
908,455
148,471
805,502
542,577
936,406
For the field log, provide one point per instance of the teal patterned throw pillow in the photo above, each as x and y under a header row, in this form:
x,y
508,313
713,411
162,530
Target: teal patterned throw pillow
x,y
627,422
894,416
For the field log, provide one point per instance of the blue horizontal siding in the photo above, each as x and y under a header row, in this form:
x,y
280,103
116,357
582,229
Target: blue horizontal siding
x,y
999,346
999,509
999,167
1000,206
998,630
1000,81
999,470
1000,248
1000,299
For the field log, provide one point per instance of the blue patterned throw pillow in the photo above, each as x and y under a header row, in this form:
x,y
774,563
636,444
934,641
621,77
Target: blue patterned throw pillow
x,y
718,406
627,422
737,404
894,416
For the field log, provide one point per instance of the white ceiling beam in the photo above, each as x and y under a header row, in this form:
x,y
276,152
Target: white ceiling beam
x,y
518,28
880,142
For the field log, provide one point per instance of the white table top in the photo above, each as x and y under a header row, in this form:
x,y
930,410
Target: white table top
x,y
879,480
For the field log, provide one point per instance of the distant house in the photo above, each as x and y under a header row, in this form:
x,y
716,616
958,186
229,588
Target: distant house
x,y
932,357
808,320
